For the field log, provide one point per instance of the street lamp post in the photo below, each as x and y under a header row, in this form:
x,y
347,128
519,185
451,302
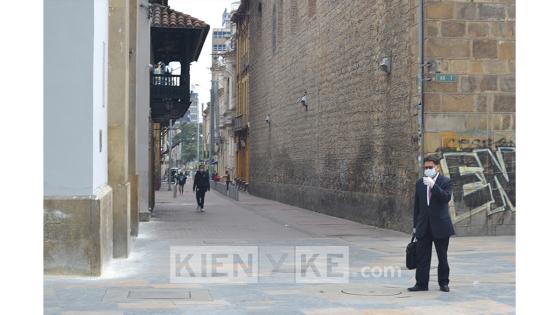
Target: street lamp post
x,y
169,144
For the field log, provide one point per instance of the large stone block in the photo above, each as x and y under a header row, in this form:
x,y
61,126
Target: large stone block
x,y
506,50
78,233
495,67
439,10
481,103
485,49
478,121
432,102
457,103
507,84
476,67
431,29
434,86
459,66
503,29
478,29
469,84
443,122
504,103
453,28
448,47
491,11
465,11
489,83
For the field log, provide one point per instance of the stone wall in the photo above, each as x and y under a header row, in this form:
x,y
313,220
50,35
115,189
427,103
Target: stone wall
x,y
471,122
352,154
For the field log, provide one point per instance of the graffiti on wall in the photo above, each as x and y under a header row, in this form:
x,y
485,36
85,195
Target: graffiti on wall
x,y
483,173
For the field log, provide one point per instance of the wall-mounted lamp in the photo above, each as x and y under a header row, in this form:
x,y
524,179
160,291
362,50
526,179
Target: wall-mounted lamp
x,y
303,101
267,120
385,65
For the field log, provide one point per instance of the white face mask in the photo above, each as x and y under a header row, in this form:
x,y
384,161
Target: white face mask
x,y
430,172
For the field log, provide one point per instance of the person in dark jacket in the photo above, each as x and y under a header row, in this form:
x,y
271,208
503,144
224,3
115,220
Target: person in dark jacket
x,y
201,184
228,180
432,224
181,181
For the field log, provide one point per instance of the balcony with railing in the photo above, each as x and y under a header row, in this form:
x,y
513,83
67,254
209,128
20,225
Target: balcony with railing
x,y
168,86
240,123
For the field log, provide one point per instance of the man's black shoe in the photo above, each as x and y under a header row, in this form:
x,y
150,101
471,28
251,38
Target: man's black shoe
x,y
417,288
444,288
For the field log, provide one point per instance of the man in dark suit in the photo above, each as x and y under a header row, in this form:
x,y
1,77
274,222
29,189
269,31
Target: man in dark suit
x,y
432,224
201,185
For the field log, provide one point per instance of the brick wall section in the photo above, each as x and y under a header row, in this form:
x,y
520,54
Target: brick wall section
x,y
353,153
471,122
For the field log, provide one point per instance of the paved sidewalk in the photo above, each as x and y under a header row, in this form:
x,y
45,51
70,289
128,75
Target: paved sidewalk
x,y
482,268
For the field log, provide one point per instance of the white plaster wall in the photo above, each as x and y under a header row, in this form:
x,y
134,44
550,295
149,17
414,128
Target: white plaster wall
x,y
142,103
100,79
68,97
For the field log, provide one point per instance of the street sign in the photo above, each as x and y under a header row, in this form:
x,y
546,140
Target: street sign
x,y
445,77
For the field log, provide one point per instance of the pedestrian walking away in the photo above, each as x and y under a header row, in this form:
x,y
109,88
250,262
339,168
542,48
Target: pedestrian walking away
x,y
181,180
228,180
201,185
432,224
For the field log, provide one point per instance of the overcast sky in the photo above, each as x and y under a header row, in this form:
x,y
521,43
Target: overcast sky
x,y
210,11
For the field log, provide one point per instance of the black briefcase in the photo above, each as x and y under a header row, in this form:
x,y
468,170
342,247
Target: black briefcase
x,y
411,254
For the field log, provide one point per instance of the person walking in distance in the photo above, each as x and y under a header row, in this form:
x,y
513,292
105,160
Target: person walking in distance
x,y
181,180
201,184
432,224
228,180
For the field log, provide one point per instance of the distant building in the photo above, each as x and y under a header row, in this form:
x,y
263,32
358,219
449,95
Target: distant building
x,y
223,74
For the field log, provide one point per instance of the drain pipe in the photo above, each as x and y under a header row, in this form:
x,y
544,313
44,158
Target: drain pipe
x,y
420,85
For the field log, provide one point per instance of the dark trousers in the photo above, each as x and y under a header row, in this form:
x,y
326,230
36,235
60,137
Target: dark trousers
x,y
227,185
200,197
181,188
424,258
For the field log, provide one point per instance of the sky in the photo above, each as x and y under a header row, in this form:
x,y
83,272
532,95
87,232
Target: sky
x,y
210,11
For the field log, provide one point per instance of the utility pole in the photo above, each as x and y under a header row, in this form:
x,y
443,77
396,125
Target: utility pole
x,y
169,143
197,140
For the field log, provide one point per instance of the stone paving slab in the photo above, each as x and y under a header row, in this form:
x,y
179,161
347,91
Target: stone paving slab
x,y
482,268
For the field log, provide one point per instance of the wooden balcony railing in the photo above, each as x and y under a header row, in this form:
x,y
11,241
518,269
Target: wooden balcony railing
x,y
169,86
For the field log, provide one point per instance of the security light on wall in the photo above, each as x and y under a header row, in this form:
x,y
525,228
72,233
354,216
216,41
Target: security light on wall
x,y
385,65
303,101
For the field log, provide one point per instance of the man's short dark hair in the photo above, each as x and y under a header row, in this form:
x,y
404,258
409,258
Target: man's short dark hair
x,y
432,158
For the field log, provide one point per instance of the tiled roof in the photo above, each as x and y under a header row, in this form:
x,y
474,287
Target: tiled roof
x,y
164,16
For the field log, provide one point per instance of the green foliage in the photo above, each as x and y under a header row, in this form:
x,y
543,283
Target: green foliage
x,y
188,137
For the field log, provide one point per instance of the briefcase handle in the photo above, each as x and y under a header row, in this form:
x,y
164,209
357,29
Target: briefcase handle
x,y
413,236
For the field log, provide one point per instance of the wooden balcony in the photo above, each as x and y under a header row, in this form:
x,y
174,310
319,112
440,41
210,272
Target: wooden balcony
x,y
168,86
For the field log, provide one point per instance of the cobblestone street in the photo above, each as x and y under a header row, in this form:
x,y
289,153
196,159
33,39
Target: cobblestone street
x,y
482,268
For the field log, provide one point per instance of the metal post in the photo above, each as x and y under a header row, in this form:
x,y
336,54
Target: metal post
x,y
420,86
197,140
169,143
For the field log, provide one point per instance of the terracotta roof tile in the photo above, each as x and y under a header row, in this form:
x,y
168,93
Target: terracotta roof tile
x,y
164,16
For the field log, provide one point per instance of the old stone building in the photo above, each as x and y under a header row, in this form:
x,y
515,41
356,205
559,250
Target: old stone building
x,y
103,115
333,131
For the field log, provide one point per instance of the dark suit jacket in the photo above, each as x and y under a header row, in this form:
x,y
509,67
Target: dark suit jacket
x,y
437,213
